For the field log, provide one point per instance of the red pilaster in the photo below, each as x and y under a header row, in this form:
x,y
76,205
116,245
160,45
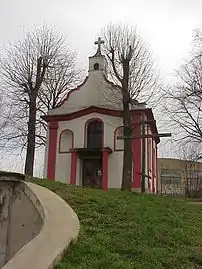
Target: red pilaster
x,y
74,156
157,178
153,165
136,148
52,149
148,152
105,170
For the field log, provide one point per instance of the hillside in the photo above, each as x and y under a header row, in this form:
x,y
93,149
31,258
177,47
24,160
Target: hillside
x,y
133,231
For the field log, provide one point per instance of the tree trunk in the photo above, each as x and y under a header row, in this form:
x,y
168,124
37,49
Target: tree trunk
x,y
127,154
127,126
30,153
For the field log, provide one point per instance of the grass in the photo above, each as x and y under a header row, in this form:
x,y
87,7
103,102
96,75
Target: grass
x,y
132,231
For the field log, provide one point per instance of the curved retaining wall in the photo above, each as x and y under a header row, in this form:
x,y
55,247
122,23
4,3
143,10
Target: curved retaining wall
x,y
55,226
20,218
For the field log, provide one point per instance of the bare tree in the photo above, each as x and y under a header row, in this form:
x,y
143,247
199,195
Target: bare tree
x,y
184,100
131,67
192,170
35,72
59,79
3,120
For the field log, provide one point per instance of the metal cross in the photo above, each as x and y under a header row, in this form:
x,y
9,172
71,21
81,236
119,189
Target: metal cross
x,y
99,42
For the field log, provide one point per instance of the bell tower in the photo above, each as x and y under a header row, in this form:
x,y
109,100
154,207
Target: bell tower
x,y
97,62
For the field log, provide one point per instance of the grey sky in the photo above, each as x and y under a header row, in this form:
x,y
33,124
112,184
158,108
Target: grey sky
x,y
166,25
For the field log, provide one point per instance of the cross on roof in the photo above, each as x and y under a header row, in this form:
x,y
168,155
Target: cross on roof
x,y
99,42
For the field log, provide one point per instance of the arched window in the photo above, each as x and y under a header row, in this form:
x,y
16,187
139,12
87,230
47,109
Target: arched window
x,y
95,134
96,66
66,141
118,143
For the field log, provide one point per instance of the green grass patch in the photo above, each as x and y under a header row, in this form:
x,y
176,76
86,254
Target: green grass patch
x,y
132,231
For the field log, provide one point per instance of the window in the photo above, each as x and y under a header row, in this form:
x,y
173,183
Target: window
x,y
194,178
66,141
168,180
96,66
194,174
171,177
118,143
94,134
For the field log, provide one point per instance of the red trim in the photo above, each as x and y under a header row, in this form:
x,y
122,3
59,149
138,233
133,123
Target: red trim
x,y
71,91
104,111
52,149
74,156
83,112
115,149
136,148
153,166
150,116
72,140
79,87
156,169
148,152
105,170
111,83
85,130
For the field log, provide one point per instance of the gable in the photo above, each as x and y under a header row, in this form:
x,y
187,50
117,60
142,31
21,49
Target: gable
x,y
96,91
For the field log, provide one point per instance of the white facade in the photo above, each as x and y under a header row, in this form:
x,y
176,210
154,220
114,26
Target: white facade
x,y
99,100
77,126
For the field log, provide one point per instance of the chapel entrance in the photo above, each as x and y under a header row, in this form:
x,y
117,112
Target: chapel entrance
x,y
92,173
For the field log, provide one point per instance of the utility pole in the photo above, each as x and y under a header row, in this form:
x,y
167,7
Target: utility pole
x,y
143,123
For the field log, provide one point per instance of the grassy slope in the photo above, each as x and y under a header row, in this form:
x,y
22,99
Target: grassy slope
x,y
127,230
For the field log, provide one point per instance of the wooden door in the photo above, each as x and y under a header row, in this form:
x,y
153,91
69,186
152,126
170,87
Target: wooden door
x,y
92,173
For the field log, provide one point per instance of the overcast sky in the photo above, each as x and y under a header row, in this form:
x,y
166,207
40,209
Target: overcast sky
x,y
166,25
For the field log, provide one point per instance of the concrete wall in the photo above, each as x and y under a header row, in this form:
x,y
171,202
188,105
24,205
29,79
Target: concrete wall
x,y
182,166
36,225
20,220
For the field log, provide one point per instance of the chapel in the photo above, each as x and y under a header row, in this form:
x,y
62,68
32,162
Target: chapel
x,y
82,146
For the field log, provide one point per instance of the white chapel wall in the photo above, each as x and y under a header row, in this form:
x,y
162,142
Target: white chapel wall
x,y
63,164
115,166
95,92
66,141
79,172
77,126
